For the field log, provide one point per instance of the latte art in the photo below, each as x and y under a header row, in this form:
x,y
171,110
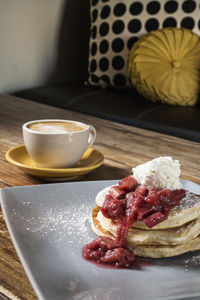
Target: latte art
x,y
56,127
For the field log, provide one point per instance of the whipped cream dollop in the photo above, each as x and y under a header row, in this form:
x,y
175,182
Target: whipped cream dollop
x,y
162,172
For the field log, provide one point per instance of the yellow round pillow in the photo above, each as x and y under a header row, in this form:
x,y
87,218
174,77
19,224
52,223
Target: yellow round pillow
x,y
164,65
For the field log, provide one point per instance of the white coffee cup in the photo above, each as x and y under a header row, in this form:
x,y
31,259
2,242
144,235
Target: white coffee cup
x,y
54,143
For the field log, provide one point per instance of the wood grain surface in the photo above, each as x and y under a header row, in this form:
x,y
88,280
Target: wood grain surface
x,y
122,146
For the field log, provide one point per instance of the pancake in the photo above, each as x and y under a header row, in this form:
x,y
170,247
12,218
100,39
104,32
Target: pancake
x,y
100,197
172,236
166,251
150,251
185,212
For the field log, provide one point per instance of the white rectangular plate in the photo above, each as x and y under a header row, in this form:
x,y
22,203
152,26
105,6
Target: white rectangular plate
x,y
49,224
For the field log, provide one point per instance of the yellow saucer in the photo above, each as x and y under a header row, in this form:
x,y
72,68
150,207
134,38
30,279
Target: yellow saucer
x,y
19,157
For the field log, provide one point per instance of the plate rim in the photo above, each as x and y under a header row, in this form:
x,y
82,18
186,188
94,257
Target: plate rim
x,y
25,265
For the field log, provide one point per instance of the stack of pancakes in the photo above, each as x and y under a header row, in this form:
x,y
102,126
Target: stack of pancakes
x,y
179,234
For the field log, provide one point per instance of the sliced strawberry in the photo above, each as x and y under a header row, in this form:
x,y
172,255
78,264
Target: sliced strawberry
x,y
128,184
114,209
165,208
152,199
164,196
154,219
131,213
115,192
122,231
141,190
139,202
152,190
176,196
120,257
145,211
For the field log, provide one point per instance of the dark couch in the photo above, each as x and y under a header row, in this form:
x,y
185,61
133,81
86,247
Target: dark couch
x,y
118,105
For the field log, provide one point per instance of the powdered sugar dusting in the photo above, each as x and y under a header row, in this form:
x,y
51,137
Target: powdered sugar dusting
x,y
192,262
69,223
190,200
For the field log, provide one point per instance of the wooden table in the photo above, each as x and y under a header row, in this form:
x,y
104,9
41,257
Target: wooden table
x,y
123,147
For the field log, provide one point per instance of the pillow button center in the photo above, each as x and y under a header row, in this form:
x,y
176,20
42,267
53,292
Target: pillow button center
x,y
175,64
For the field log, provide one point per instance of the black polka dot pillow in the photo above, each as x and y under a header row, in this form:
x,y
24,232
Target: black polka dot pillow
x,y
116,25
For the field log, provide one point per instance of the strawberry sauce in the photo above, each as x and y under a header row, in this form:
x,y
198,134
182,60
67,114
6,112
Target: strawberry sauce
x,y
125,204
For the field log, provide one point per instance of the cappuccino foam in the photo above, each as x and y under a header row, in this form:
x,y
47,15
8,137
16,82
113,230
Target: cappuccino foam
x,y
56,127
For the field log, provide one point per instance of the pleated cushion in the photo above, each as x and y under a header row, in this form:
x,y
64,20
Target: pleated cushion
x,y
164,65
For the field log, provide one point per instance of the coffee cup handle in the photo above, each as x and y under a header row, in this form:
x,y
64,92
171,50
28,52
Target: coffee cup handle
x,y
92,136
